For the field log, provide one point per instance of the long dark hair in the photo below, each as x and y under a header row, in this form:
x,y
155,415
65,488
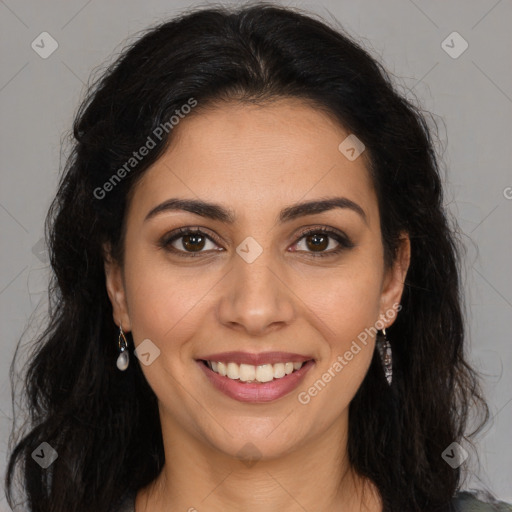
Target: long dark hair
x,y
104,424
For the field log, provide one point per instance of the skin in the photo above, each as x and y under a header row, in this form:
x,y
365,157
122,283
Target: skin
x,y
255,160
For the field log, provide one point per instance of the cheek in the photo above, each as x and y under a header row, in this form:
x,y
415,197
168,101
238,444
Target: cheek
x,y
346,302
344,309
165,307
162,304
343,315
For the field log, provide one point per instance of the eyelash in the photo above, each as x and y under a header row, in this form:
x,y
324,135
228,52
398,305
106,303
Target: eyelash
x,y
343,241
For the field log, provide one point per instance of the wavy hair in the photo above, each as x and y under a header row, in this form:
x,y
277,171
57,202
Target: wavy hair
x,y
103,423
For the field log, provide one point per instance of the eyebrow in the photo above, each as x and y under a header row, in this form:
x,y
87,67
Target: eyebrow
x,y
218,212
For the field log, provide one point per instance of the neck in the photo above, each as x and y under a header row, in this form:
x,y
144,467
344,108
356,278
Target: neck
x,y
198,477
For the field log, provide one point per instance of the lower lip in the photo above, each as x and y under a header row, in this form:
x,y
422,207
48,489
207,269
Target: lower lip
x,y
257,391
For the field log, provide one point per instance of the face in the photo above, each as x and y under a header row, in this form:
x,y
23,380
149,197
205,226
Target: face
x,y
260,283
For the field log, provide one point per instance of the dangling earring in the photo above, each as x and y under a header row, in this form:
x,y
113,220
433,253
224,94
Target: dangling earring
x,y
123,360
386,356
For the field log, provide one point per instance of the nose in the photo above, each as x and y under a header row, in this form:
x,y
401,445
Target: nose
x,y
255,297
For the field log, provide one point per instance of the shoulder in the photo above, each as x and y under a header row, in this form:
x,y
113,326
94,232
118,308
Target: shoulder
x,y
465,501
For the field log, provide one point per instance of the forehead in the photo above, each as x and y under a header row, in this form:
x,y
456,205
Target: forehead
x,y
255,156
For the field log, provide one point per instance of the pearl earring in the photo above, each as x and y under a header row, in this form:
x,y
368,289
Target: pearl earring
x,y
123,359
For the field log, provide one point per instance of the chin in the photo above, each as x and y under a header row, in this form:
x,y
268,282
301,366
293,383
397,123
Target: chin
x,y
263,439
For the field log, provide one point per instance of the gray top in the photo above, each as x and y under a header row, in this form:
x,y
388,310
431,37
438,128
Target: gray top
x,y
463,502
467,502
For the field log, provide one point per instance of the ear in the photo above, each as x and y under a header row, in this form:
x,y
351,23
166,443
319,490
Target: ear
x,y
394,280
116,290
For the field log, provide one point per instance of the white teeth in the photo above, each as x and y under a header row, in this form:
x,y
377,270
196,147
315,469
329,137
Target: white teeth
x,y
247,372
221,369
250,373
265,373
233,371
279,371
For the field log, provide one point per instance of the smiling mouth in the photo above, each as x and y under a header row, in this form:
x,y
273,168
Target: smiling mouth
x,y
248,373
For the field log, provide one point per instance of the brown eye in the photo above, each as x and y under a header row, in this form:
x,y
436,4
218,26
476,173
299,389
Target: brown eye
x,y
194,242
187,242
318,240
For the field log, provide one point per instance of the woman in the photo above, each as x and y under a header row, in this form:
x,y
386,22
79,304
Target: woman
x,y
256,297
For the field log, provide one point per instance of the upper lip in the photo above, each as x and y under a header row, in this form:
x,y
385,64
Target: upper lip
x,y
256,359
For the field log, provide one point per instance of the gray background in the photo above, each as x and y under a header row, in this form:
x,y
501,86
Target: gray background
x,y
471,95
